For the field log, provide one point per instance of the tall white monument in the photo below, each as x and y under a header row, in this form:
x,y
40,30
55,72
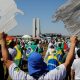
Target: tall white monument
x,y
36,27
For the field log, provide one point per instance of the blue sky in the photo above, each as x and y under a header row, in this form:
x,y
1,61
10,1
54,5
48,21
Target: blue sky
x,y
43,9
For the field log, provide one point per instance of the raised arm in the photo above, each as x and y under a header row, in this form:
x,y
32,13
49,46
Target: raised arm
x,y
70,55
5,50
14,71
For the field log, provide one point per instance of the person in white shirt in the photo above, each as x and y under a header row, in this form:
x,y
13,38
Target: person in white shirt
x,y
75,69
15,73
76,49
50,44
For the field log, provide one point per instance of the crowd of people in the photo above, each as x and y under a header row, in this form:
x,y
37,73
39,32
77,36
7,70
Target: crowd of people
x,y
61,60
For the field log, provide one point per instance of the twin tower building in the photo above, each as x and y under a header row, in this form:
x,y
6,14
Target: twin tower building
x,y
36,28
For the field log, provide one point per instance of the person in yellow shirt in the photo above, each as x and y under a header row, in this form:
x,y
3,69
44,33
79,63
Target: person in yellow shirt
x,y
51,58
18,56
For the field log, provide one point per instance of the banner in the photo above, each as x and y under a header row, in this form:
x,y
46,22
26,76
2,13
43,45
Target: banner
x,y
8,10
69,13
